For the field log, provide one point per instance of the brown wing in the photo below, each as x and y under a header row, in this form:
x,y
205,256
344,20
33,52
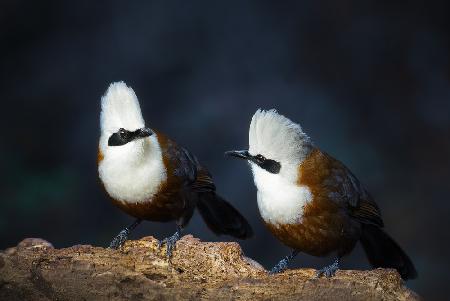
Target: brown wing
x,y
203,182
185,166
363,206
368,213
337,184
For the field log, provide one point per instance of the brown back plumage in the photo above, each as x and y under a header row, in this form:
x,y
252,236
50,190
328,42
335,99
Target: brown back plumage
x,y
331,181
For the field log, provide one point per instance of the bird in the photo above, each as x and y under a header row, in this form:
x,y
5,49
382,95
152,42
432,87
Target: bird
x,y
150,177
312,202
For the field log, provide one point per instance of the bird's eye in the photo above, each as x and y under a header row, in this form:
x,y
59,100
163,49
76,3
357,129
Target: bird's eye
x,y
260,157
122,131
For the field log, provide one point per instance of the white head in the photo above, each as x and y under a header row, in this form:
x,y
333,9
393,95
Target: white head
x,y
277,138
120,114
120,109
276,145
132,158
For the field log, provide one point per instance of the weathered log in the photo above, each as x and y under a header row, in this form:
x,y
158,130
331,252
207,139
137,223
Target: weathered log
x,y
34,270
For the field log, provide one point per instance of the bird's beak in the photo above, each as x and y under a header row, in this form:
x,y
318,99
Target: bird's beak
x,y
143,132
243,154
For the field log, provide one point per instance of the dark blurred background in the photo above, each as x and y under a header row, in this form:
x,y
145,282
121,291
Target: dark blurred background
x,y
368,81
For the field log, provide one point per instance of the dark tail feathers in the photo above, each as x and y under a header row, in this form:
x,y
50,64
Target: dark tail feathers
x,y
384,252
222,218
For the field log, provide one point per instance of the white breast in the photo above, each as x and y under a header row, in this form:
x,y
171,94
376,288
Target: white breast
x,y
279,201
133,173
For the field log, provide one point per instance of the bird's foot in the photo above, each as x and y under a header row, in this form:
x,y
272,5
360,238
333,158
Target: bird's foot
x,y
120,239
279,267
329,271
283,264
170,243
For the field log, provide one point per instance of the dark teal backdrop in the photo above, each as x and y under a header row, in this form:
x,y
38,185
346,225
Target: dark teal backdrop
x,y
367,80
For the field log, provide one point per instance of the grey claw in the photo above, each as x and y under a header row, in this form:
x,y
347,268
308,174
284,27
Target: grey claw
x,y
280,267
119,240
170,243
283,263
328,271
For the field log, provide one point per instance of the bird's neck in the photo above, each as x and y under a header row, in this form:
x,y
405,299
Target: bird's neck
x,y
135,175
280,201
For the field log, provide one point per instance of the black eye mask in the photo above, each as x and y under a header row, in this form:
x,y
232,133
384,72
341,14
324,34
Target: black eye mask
x,y
122,136
271,166
118,139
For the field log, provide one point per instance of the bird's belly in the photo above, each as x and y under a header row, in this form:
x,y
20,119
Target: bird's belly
x,y
310,239
161,207
318,233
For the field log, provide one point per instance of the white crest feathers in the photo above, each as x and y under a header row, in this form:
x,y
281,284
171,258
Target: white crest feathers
x,y
277,137
120,109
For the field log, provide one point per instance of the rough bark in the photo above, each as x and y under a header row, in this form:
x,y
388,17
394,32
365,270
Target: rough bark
x,y
34,270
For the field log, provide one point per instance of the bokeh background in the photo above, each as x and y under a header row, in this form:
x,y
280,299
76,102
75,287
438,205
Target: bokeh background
x,y
369,81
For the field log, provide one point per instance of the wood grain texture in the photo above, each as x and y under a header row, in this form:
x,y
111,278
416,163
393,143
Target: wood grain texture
x,y
34,270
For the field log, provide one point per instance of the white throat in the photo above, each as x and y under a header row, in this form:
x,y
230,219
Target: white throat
x,y
133,173
279,201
